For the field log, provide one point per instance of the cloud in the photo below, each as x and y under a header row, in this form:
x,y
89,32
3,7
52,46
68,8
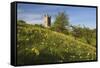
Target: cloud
x,y
30,17
33,13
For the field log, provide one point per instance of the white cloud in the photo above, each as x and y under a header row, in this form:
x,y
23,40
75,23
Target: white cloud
x,y
30,17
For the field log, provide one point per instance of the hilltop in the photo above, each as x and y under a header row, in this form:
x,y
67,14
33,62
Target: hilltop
x,y
40,45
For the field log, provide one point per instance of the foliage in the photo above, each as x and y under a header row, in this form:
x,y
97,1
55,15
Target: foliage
x,y
89,35
61,22
37,25
21,21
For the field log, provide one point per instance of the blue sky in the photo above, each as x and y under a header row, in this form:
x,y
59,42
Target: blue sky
x,y
33,14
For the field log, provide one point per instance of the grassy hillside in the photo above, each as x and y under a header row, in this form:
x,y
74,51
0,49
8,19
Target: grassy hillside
x,y
39,45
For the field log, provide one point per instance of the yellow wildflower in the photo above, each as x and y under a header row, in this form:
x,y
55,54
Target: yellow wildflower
x,y
36,51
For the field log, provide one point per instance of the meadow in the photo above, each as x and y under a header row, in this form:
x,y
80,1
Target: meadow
x,y
38,45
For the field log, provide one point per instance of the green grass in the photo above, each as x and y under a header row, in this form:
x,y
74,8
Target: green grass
x,y
36,45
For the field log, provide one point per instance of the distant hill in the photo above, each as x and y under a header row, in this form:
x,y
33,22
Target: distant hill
x,y
40,45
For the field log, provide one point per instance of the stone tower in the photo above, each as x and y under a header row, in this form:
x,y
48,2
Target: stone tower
x,y
47,20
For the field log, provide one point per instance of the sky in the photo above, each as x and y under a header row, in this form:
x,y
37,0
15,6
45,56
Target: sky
x,y
34,14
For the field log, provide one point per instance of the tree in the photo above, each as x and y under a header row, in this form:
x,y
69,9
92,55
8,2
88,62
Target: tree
x,y
21,21
90,35
61,22
77,31
85,34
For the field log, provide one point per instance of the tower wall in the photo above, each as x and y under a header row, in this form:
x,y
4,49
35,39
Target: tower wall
x,y
47,21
